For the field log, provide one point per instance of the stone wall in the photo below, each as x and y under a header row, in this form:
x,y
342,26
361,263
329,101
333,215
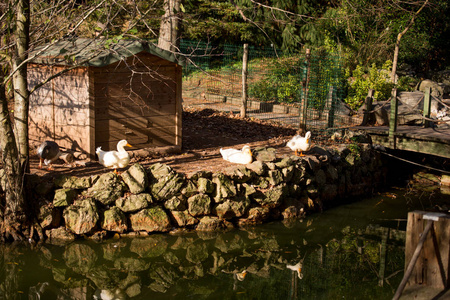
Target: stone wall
x,y
158,199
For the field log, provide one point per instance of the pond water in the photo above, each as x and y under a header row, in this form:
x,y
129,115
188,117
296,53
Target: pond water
x,y
355,251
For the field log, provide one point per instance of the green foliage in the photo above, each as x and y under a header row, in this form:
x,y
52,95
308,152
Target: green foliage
x,y
354,148
281,83
360,82
406,83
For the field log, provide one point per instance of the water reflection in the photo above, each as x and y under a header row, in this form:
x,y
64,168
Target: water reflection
x,y
327,256
297,268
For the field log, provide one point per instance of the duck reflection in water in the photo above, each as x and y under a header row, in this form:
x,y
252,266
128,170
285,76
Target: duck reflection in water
x,y
35,292
116,294
238,276
297,268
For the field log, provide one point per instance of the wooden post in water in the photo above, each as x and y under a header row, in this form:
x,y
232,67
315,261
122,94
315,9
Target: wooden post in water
x,y
244,82
427,106
427,255
369,100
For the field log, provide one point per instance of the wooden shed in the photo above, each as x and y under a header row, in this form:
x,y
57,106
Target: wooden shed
x,y
104,93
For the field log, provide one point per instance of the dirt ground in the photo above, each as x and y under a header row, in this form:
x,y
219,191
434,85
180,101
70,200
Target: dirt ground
x,y
204,133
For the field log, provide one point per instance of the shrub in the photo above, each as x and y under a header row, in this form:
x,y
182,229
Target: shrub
x,y
360,83
281,83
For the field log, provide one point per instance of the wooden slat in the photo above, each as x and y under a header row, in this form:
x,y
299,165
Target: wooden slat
x,y
138,141
130,112
141,134
135,123
134,102
146,91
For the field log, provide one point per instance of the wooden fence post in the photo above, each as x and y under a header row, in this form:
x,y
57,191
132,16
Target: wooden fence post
x,y
369,100
244,82
427,106
331,101
393,118
304,107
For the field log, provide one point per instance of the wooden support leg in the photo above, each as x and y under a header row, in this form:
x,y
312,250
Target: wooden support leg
x,y
414,258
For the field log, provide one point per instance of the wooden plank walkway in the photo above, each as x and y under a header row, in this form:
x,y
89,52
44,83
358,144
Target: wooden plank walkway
x,y
434,141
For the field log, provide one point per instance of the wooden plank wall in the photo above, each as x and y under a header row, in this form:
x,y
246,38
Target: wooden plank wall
x,y
59,109
138,100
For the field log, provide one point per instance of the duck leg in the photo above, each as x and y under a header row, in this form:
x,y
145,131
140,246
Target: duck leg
x,y
41,160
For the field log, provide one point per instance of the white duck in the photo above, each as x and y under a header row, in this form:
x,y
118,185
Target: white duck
x,y
299,143
48,152
114,159
243,156
297,268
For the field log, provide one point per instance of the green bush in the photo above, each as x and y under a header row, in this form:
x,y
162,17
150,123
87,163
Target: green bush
x,y
281,83
360,83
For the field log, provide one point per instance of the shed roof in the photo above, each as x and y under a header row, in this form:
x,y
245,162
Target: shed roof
x,y
96,52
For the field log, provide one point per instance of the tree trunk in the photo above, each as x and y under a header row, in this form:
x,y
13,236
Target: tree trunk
x,y
11,175
397,43
15,148
169,29
21,95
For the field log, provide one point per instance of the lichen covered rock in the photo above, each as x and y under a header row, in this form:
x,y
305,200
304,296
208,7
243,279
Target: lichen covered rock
x,y
209,223
107,189
199,205
63,197
114,220
81,217
183,218
153,219
135,178
225,187
235,208
73,182
134,203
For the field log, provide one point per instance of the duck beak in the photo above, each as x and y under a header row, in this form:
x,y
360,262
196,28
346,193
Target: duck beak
x,y
128,145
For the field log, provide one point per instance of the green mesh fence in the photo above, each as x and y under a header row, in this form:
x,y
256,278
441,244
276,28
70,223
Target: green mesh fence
x,y
301,91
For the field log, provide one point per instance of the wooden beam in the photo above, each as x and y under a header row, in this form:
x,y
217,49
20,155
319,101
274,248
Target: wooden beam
x,y
402,142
